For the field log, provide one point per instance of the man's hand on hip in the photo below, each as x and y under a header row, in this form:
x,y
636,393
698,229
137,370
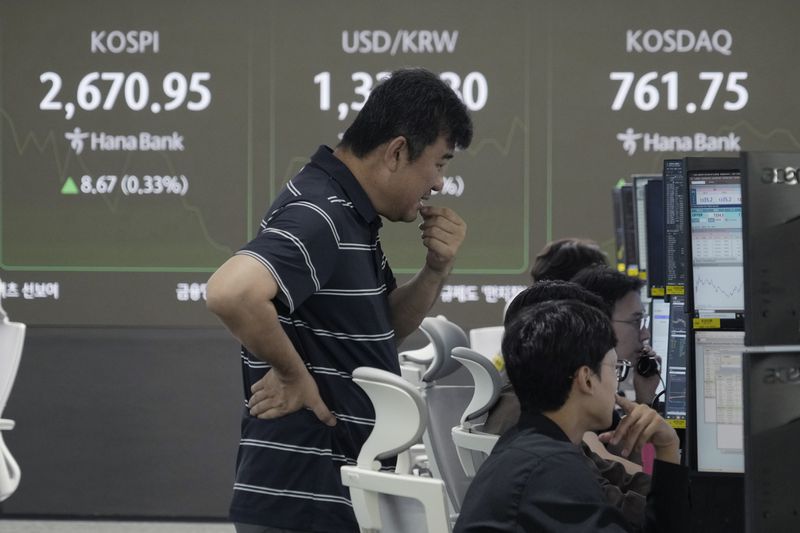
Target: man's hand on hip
x,y
278,394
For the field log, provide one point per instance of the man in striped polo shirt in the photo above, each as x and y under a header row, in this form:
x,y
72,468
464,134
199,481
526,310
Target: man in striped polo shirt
x,y
312,297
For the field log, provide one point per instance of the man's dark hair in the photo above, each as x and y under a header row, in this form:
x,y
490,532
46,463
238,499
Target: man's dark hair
x,y
610,285
547,343
413,103
564,258
548,290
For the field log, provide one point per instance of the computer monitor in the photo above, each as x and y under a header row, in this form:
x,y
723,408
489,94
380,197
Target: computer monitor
x,y
718,406
771,213
676,236
772,431
715,209
629,230
659,334
639,183
619,229
675,376
654,215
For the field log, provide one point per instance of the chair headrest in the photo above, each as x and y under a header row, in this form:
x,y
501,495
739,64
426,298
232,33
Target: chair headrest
x,y
488,382
400,414
444,336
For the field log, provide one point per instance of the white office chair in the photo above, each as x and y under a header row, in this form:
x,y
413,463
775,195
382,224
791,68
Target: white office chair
x,y
446,394
12,337
472,443
393,502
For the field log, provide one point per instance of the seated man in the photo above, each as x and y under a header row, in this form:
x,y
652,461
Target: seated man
x,y
504,414
622,294
624,484
560,358
563,258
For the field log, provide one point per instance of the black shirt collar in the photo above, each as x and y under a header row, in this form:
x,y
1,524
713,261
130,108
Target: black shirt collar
x,y
541,424
336,169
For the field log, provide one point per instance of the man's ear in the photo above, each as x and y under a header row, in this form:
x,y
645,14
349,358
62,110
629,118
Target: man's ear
x,y
583,380
395,151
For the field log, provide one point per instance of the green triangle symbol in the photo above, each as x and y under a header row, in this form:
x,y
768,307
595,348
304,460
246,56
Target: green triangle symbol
x,y
69,187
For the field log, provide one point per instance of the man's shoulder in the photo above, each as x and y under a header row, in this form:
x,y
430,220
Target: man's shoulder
x,y
527,467
312,191
529,449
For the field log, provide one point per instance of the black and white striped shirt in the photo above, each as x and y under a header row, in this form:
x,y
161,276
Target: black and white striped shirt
x,y
320,241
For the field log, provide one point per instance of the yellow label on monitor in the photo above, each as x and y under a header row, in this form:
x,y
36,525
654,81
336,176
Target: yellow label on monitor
x,y
705,323
621,267
643,275
677,424
658,291
633,271
677,290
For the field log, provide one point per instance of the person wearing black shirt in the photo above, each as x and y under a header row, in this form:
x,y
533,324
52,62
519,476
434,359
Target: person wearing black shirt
x,y
561,360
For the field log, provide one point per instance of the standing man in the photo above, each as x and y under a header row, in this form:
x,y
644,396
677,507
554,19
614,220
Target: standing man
x,y
312,297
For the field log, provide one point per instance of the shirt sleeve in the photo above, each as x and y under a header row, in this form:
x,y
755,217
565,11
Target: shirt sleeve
x,y
626,492
298,245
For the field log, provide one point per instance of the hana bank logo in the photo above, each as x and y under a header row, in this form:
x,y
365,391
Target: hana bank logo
x,y
76,138
628,140
696,142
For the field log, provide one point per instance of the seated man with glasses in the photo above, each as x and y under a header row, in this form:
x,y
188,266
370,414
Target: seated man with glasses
x,y
561,360
624,484
621,294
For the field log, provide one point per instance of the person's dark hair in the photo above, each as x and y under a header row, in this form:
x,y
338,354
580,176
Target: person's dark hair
x,y
413,103
547,343
609,284
544,291
564,258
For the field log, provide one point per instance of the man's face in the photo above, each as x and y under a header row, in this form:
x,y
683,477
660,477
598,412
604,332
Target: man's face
x,y
625,319
413,182
607,391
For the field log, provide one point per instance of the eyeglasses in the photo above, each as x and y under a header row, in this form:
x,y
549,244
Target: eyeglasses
x,y
622,368
638,323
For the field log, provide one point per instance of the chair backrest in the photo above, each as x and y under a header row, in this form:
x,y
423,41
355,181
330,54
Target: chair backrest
x,y
444,336
12,338
472,444
446,394
400,416
393,502
487,379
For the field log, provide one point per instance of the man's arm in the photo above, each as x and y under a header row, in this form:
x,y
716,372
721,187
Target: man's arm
x,y
240,293
668,502
593,442
443,231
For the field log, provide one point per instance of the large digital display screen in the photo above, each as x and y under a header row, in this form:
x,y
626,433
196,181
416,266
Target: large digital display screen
x,y
141,142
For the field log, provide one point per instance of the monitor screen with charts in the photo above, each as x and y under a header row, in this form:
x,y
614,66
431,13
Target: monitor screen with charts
x,y
715,204
675,377
675,231
719,422
659,335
